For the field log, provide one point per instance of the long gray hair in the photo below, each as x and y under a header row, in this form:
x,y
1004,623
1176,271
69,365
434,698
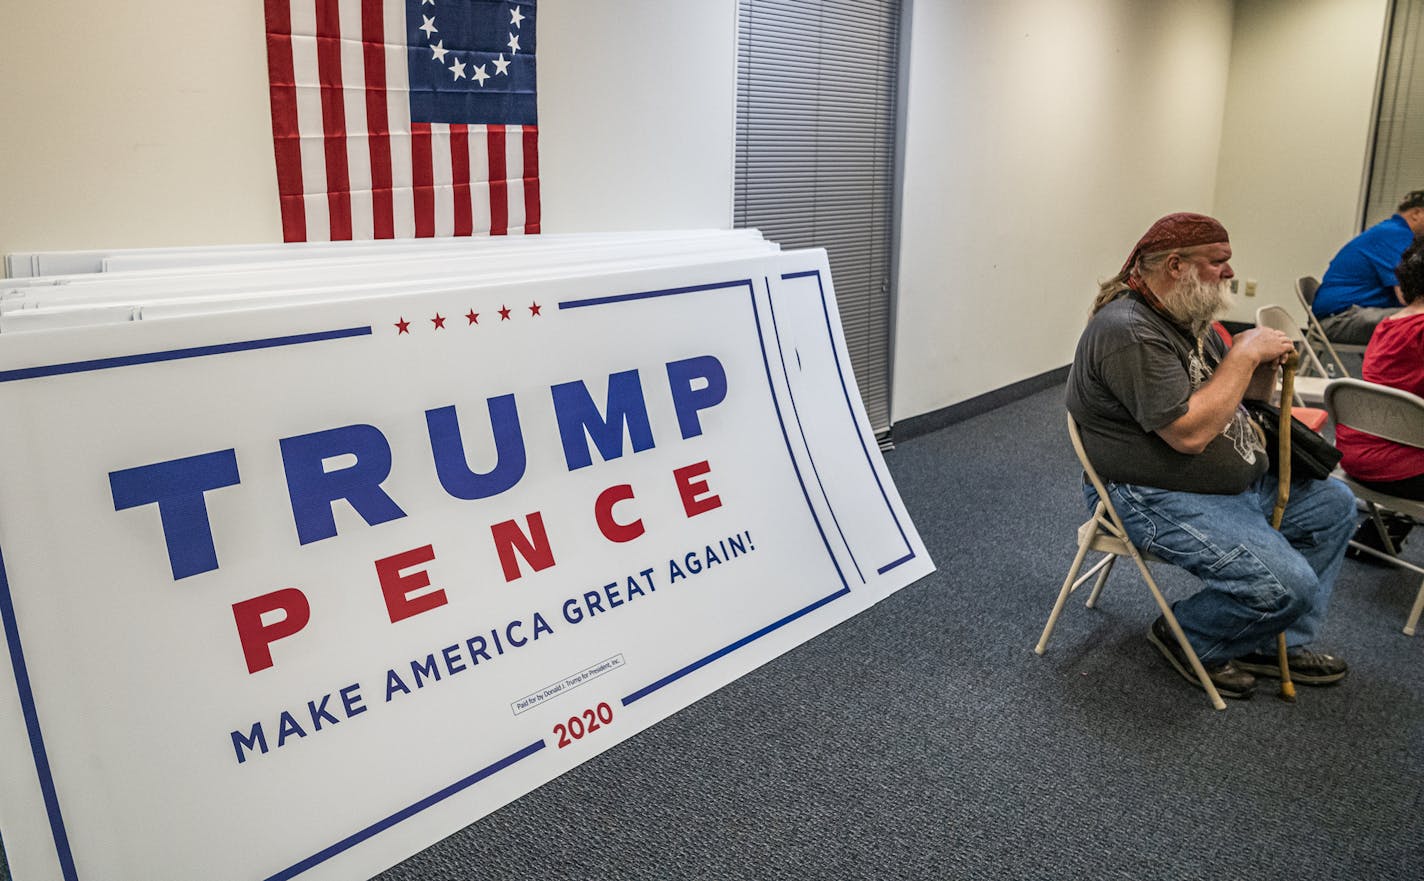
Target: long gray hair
x,y
1147,263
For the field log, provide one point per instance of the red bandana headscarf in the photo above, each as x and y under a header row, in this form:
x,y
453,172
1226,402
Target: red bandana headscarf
x,y
1180,230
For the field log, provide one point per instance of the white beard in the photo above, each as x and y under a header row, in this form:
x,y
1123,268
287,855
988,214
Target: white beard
x,y
1196,303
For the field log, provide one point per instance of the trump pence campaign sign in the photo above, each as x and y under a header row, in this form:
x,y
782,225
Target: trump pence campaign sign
x,y
294,592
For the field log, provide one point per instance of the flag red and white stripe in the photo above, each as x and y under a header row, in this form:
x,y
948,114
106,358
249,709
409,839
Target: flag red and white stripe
x,y
352,165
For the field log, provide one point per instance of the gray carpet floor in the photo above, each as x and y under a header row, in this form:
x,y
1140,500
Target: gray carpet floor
x,y
925,740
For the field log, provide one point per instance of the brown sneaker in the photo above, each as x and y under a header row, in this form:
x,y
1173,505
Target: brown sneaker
x,y
1230,680
1306,667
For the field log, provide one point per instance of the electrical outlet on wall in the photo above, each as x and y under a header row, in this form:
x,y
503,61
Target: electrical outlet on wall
x,y
1250,287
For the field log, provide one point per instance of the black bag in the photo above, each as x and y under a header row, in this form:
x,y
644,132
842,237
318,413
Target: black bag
x,y
1311,454
1397,525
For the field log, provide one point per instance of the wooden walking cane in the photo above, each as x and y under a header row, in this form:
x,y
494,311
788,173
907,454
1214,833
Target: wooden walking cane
x,y
1283,462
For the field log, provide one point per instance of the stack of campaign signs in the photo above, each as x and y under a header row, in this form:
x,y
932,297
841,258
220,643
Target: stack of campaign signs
x,y
313,555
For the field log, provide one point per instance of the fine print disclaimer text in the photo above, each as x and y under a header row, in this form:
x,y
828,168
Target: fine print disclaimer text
x,y
567,684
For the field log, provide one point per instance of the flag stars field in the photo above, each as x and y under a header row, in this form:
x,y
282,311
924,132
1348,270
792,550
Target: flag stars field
x,y
478,74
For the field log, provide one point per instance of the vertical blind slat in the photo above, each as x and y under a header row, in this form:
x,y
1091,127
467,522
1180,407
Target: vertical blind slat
x,y
816,83
1397,157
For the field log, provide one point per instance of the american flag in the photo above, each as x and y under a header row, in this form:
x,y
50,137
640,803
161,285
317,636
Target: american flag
x,y
402,118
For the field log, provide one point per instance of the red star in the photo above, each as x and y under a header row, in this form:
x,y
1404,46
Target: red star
x,y
473,316
534,309
438,321
402,326
503,313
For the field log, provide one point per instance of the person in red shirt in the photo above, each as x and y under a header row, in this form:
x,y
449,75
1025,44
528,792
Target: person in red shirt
x,y
1395,357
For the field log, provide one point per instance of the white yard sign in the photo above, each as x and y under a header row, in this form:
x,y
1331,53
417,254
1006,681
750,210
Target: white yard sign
x,y
293,593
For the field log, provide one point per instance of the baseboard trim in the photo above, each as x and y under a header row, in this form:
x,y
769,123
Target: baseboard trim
x,y
975,406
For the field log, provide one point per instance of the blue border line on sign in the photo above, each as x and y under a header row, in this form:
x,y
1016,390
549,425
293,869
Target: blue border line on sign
x,y
646,295
725,650
825,311
766,364
178,354
32,726
405,813
795,411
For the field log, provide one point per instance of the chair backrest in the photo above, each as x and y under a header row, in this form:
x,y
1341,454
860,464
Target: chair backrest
x,y
1277,318
1305,288
1097,482
1375,409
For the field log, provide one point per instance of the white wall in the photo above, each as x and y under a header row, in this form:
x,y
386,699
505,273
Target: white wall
x,y
637,113
136,123
1042,139
1295,140
146,123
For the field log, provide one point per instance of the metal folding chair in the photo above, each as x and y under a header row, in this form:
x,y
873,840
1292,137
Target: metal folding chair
x,y
1397,416
1315,338
1105,533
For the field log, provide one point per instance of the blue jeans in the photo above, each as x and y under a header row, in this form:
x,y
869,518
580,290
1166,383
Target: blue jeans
x,y
1257,581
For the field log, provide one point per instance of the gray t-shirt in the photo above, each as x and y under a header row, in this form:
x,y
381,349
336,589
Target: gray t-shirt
x,y
1132,374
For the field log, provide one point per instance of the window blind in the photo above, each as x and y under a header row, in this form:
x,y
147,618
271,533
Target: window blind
x,y
815,155
1397,159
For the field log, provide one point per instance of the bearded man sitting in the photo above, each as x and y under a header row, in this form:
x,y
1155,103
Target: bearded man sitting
x,y
1157,397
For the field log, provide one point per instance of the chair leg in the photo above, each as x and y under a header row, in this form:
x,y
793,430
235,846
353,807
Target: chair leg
x,y
1334,355
1063,595
1392,556
1382,530
1102,579
1176,628
1414,613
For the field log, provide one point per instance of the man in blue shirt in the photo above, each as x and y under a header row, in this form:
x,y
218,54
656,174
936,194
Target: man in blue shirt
x,y
1359,289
